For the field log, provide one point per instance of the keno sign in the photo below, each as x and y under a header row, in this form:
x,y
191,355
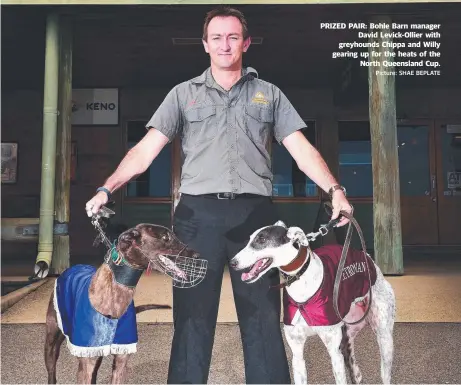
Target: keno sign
x,y
95,106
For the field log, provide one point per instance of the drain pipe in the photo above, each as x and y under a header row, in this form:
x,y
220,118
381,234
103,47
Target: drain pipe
x,y
50,115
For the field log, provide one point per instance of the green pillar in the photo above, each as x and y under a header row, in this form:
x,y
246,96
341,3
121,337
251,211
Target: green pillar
x,y
50,115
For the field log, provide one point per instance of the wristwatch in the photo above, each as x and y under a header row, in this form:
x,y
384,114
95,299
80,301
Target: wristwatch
x,y
109,195
334,188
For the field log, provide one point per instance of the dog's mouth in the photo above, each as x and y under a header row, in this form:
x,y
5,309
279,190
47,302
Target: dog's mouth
x,y
169,266
256,270
184,271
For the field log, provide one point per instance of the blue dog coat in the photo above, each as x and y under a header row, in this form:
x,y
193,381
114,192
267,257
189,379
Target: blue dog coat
x,y
89,333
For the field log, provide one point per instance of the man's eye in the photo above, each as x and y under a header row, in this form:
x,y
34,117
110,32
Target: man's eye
x,y
166,238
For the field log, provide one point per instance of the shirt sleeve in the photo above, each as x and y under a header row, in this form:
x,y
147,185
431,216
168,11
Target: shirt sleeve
x,y
286,118
167,117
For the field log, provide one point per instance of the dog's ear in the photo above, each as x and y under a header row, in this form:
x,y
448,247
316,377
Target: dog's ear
x,y
280,223
127,238
295,234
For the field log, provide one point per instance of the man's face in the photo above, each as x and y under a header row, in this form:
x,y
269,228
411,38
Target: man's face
x,y
225,42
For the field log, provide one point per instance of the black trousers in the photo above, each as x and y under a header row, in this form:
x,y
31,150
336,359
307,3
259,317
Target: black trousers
x,y
218,229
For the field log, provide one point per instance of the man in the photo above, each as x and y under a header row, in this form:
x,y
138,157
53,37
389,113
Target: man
x,y
225,118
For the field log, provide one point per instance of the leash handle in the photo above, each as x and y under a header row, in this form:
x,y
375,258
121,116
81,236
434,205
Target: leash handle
x,y
342,261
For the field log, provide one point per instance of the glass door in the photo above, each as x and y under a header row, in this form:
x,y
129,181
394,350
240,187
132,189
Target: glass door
x,y
449,182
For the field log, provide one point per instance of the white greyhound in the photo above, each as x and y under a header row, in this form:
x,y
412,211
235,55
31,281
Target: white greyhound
x,y
308,297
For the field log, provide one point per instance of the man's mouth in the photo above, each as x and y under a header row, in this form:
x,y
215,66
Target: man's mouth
x,y
255,271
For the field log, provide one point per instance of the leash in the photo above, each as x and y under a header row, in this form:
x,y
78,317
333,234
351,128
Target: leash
x,y
101,237
323,230
342,261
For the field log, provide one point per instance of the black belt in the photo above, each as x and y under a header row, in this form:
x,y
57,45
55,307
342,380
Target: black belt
x,y
230,195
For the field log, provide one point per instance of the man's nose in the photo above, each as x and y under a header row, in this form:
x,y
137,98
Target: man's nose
x,y
225,46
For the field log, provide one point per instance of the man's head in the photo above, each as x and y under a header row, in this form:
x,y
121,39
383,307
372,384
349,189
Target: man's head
x,y
225,37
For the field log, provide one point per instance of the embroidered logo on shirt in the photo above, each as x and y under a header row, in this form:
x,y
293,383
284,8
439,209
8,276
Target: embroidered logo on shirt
x,y
260,98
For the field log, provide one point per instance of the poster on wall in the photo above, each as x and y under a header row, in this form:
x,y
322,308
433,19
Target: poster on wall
x,y
95,106
454,180
9,162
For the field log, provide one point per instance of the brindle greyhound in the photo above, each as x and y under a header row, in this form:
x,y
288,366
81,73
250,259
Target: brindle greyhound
x,y
109,304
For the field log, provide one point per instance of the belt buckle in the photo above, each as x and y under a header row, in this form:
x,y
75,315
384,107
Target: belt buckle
x,y
226,195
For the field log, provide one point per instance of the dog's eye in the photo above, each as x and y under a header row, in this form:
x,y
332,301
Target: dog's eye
x,y
262,238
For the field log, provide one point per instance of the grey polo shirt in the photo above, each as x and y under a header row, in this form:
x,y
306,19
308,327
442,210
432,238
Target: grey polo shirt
x,y
224,134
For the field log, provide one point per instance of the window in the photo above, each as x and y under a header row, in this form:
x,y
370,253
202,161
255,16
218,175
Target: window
x,y
355,172
155,182
289,180
355,169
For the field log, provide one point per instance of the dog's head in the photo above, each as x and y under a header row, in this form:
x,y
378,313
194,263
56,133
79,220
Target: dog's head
x,y
154,245
268,247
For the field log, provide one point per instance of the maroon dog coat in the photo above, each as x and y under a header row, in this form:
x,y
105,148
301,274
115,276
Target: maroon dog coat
x,y
319,310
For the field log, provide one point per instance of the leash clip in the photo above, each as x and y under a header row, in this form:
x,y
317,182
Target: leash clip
x,y
95,221
323,230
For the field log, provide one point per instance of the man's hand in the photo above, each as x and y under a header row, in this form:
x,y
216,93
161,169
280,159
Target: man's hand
x,y
340,203
95,203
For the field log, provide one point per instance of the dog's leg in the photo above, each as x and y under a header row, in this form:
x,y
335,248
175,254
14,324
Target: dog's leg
x,y
53,340
381,319
296,338
86,368
95,370
347,347
332,338
119,369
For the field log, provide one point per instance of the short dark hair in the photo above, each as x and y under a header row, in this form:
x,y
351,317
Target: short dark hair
x,y
225,12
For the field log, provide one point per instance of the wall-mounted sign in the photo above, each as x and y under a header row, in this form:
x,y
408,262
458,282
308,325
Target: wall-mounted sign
x,y
95,106
454,180
453,128
9,162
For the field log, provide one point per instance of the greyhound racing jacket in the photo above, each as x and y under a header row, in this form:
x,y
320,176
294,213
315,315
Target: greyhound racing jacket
x,y
88,332
354,285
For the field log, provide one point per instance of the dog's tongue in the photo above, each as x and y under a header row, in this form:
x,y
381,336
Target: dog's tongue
x,y
172,267
251,274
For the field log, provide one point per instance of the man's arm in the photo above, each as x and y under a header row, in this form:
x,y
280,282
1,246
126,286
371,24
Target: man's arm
x,y
311,163
137,159
135,162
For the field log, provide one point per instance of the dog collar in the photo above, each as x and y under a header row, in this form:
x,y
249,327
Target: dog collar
x,y
297,262
124,273
292,266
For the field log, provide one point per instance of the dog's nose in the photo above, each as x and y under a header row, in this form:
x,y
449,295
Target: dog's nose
x,y
233,263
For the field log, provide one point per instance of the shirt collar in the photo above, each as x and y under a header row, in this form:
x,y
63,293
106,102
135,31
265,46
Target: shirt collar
x,y
206,77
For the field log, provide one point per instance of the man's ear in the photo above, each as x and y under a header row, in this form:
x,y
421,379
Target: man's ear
x,y
246,43
205,45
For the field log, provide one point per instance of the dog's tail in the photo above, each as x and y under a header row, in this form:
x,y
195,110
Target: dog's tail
x,y
141,308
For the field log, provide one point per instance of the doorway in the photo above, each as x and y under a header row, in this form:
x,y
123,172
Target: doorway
x,y
448,160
